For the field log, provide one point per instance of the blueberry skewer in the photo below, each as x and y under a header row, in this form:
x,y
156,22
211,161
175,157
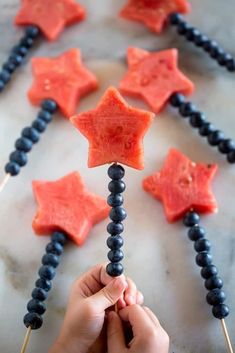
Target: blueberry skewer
x,y
206,129
36,307
17,55
156,79
115,132
156,15
47,92
66,205
184,189
34,15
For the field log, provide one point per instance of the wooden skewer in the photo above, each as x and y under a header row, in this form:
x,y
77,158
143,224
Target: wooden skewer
x,y
26,340
4,182
226,335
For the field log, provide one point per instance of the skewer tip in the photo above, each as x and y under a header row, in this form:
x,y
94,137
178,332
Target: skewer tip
x,y
26,340
4,182
226,335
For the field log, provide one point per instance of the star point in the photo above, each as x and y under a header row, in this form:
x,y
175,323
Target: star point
x,y
67,205
50,16
182,185
115,131
154,77
63,79
153,13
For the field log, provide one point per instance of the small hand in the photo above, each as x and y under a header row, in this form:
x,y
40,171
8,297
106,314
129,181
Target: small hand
x,y
83,328
148,335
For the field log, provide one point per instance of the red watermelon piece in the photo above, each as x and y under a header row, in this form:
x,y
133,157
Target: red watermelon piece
x,y
67,205
64,79
154,13
154,77
115,131
51,16
182,185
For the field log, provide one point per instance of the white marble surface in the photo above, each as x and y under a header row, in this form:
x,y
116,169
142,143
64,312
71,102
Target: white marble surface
x,y
157,255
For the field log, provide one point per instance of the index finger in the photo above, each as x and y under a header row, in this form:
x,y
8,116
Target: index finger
x,y
94,280
138,318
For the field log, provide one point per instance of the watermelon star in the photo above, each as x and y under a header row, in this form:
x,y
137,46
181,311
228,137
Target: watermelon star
x,y
51,16
182,185
115,131
67,205
154,77
154,13
63,79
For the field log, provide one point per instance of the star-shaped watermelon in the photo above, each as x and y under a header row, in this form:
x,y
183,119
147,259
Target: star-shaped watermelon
x,y
51,16
182,185
115,131
154,13
67,205
63,79
154,77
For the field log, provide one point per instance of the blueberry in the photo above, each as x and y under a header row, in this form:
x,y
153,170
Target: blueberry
x,y
115,255
39,294
32,31
215,297
16,59
44,284
19,157
226,146
230,64
49,105
203,259
177,99
59,237
175,18
12,168
116,172
220,311
54,248
51,259
183,28
117,186
187,109
213,282
45,116
196,232
197,119
209,271
115,228
215,137
20,50
9,66
31,134
201,40
26,42
33,320
115,200
115,242
206,129
231,157
5,76
114,269
47,272
191,219
117,214
202,245
23,144
36,306
40,125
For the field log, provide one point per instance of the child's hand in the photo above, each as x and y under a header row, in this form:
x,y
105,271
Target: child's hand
x,y
91,295
149,336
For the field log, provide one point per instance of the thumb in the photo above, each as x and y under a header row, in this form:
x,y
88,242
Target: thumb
x,y
109,295
115,335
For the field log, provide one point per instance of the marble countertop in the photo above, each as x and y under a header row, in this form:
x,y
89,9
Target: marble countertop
x,y
157,255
